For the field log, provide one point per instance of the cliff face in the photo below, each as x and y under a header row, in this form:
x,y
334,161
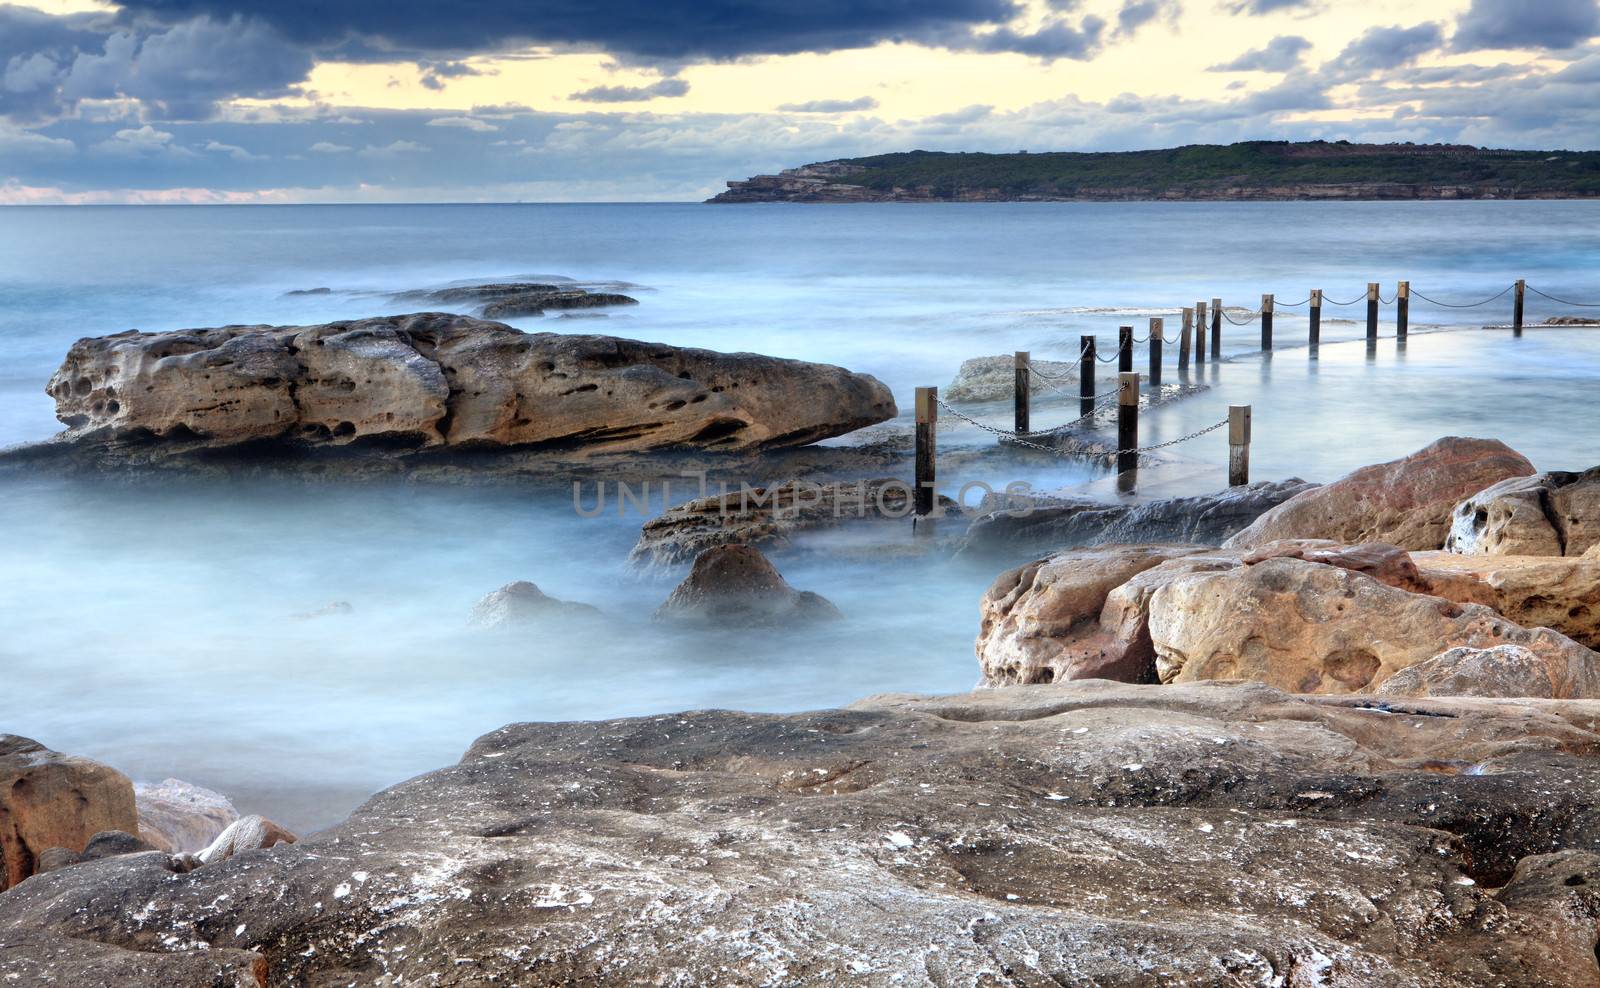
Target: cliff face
x,y
1262,171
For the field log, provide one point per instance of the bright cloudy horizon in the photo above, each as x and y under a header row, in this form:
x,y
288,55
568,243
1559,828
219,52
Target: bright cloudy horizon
x,y
560,100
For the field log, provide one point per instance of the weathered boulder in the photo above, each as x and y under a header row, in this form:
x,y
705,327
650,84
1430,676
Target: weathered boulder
x,y
251,833
1405,502
1503,670
995,378
770,517
1548,514
1553,592
518,299
1050,620
180,817
1385,563
48,800
523,603
1029,527
1082,834
1313,628
434,379
735,586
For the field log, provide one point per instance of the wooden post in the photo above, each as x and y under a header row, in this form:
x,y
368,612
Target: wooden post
x,y
1157,327
1184,340
1238,445
1266,322
1199,333
1127,431
1216,328
1024,386
1516,308
1316,318
1086,375
1372,311
1124,349
927,421
1402,310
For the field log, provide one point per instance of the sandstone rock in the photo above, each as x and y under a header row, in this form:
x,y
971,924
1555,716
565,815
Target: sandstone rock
x,y
1312,628
50,800
1553,592
995,378
1548,514
1504,670
52,858
1385,563
770,517
1406,502
1202,520
179,817
111,843
523,603
251,833
1080,834
434,379
734,586
1050,621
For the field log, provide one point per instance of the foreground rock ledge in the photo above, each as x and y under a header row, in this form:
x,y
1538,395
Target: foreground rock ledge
x,y
435,379
1084,834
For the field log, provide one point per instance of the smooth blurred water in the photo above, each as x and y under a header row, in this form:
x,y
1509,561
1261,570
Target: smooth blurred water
x,y
147,624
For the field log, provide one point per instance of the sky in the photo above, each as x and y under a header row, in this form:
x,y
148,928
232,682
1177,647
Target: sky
x,y
642,100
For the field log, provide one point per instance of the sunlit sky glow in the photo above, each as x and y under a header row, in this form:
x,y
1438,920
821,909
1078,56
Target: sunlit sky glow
x,y
273,101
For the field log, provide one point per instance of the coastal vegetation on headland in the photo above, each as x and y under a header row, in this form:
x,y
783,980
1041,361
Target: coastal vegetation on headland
x,y
1262,170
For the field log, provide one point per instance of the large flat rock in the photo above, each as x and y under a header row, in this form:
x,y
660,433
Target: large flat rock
x,y
1083,834
435,379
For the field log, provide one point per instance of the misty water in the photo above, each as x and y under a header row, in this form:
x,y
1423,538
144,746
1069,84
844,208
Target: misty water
x,y
150,624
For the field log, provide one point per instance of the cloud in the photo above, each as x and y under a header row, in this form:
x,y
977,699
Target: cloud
x,y
1273,6
328,147
1524,24
1137,13
830,105
18,143
142,141
393,148
1280,55
435,73
465,123
666,88
233,151
1058,39
1383,48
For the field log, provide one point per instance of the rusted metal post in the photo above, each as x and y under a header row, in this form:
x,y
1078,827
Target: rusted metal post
x,y
1238,445
1024,387
927,432
1086,363
1127,431
1157,327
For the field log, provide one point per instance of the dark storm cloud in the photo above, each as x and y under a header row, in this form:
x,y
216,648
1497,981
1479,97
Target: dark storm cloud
x,y
1280,55
1521,24
1056,40
627,94
36,53
831,105
648,29
1382,48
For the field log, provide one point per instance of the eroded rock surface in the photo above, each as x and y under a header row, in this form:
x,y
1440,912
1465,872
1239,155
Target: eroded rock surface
x,y
734,586
1503,670
1083,834
49,800
1312,628
1208,519
1553,592
180,817
995,378
1548,514
1406,502
435,379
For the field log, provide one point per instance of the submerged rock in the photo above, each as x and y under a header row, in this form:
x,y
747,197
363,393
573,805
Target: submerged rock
x,y
1031,527
995,378
50,800
1548,514
1083,834
771,517
520,299
1405,502
523,603
435,379
180,817
733,586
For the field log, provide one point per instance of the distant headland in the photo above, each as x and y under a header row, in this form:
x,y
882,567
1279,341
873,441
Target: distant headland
x,y
1253,170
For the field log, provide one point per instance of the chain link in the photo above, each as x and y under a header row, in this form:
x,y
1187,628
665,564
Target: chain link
x,y
1015,438
1462,305
1247,321
1182,439
1581,305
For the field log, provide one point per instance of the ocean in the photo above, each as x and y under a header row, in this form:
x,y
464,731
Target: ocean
x,y
148,624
